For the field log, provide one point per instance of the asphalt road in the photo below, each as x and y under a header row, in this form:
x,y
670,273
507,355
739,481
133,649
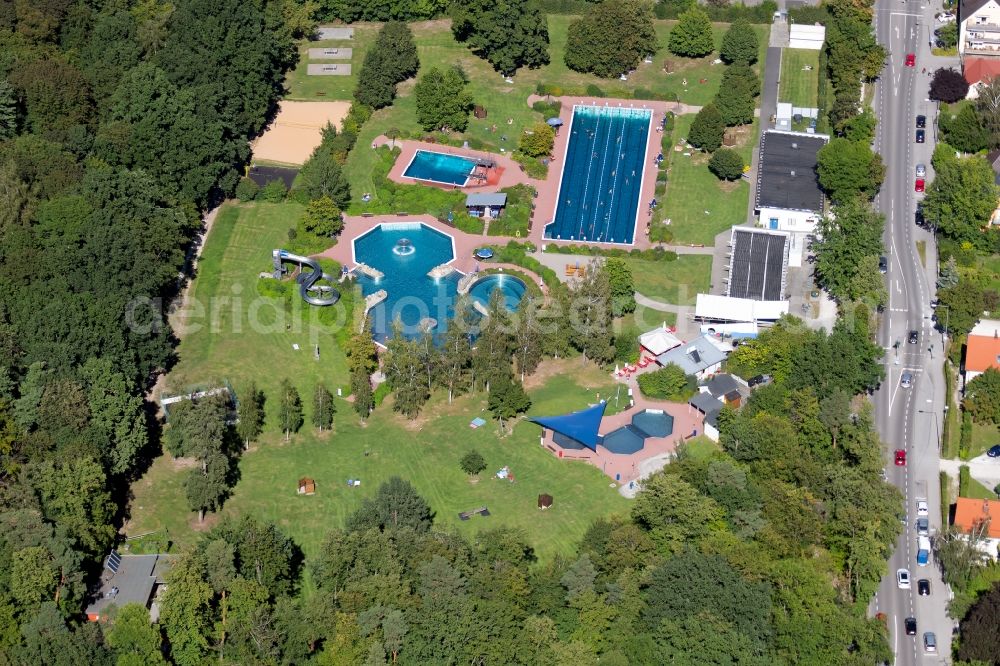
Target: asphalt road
x,y
910,418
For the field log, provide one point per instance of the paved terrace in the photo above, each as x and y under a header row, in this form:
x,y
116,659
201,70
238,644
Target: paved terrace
x,y
631,467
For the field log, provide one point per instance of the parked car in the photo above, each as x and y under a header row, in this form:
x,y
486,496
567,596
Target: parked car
x,y
920,136
921,122
922,507
930,642
900,457
913,337
921,171
919,185
883,265
918,217
906,381
994,451
945,17
924,587
758,380
923,526
910,624
903,579
911,60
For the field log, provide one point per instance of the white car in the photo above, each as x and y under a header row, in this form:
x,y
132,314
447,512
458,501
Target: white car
x,y
903,579
945,17
921,171
921,507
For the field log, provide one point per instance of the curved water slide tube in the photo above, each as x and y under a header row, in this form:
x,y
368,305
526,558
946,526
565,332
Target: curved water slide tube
x,y
308,290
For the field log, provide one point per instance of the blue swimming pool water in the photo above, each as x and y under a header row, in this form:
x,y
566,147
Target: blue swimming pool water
x,y
602,175
511,287
405,252
654,424
440,167
625,440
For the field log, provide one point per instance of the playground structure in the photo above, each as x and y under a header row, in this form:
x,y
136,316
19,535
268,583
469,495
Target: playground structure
x,y
310,292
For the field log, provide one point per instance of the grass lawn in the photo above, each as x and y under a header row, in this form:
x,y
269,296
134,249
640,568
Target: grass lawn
x,y
503,101
304,87
983,437
699,205
644,319
799,86
674,282
247,338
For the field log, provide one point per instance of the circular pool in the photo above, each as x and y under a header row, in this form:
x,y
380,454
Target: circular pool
x,y
512,288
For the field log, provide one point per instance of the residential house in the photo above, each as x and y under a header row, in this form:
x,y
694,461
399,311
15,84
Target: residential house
x,y
978,70
982,349
980,518
979,28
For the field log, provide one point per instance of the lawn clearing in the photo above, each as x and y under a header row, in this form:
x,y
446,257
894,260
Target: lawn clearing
x,y
302,86
676,282
983,437
242,336
699,205
799,77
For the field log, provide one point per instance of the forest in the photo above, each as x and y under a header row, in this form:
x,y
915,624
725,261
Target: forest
x,y
121,123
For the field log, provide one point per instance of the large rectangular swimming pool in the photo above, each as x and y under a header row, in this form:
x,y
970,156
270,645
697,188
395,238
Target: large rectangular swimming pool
x,y
602,175
440,168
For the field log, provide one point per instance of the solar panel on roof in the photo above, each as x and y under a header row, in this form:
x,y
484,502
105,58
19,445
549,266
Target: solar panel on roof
x,y
113,562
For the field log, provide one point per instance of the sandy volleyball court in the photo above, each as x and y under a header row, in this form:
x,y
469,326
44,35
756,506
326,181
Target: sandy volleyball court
x,y
295,131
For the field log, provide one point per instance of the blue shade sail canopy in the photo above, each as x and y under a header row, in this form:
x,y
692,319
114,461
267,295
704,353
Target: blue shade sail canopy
x,y
581,426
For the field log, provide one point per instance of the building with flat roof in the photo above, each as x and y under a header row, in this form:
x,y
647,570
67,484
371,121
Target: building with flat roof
x,y
129,579
804,36
788,196
758,265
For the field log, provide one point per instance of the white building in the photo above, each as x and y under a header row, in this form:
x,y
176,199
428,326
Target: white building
x,y
788,196
979,28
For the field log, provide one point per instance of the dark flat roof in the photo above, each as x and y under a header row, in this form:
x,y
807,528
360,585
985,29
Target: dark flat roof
x,y
786,174
757,266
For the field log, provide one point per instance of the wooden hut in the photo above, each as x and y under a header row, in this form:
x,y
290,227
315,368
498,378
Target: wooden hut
x,y
307,486
544,501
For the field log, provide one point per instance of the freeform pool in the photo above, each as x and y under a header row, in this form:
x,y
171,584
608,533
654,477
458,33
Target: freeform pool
x,y
511,287
440,168
631,438
405,252
602,175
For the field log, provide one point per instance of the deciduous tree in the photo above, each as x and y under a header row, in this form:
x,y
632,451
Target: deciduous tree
x,y
289,408
323,407
692,36
507,398
537,142
726,164
472,463
442,101
135,640
948,85
322,217
848,168
611,38
982,397
509,35
251,414
962,196
622,285
396,505
965,130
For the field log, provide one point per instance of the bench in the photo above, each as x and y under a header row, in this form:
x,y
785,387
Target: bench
x,y
482,511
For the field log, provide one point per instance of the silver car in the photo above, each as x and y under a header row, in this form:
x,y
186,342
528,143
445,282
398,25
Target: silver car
x,y
907,380
921,171
930,642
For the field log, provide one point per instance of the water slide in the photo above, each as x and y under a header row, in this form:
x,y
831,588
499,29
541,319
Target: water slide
x,y
310,292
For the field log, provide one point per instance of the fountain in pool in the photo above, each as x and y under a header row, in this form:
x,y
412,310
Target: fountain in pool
x,y
404,247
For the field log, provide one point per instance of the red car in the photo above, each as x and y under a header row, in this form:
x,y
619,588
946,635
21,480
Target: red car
x,y
900,457
919,185
911,60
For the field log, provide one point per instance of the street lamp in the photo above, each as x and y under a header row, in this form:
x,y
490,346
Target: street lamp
x,y
937,428
944,331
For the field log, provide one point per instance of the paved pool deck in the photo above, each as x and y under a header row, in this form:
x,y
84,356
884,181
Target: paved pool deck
x,y
624,468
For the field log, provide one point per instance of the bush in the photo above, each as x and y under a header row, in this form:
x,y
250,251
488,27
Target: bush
x,y
626,350
246,190
548,109
965,436
593,90
537,141
667,383
381,393
652,254
707,129
726,164
692,36
964,480
273,192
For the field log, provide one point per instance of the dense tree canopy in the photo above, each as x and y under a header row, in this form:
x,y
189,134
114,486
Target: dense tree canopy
x,y
611,38
390,60
962,196
707,129
845,238
509,34
948,85
726,164
847,168
692,36
740,43
443,103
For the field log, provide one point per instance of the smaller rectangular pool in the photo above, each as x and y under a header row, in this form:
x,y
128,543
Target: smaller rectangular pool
x,y
440,168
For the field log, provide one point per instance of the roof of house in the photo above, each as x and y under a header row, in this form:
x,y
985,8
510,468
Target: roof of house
x,y
659,340
786,176
969,512
758,265
982,347
705,403
967,8
695,356
721,385
711,307
134,580
486,199
977,69
806,31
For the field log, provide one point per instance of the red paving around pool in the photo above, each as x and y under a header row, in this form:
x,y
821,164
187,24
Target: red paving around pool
x,y
509,172
624,468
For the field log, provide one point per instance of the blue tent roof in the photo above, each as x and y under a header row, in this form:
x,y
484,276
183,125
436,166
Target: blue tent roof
x,y
581,426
